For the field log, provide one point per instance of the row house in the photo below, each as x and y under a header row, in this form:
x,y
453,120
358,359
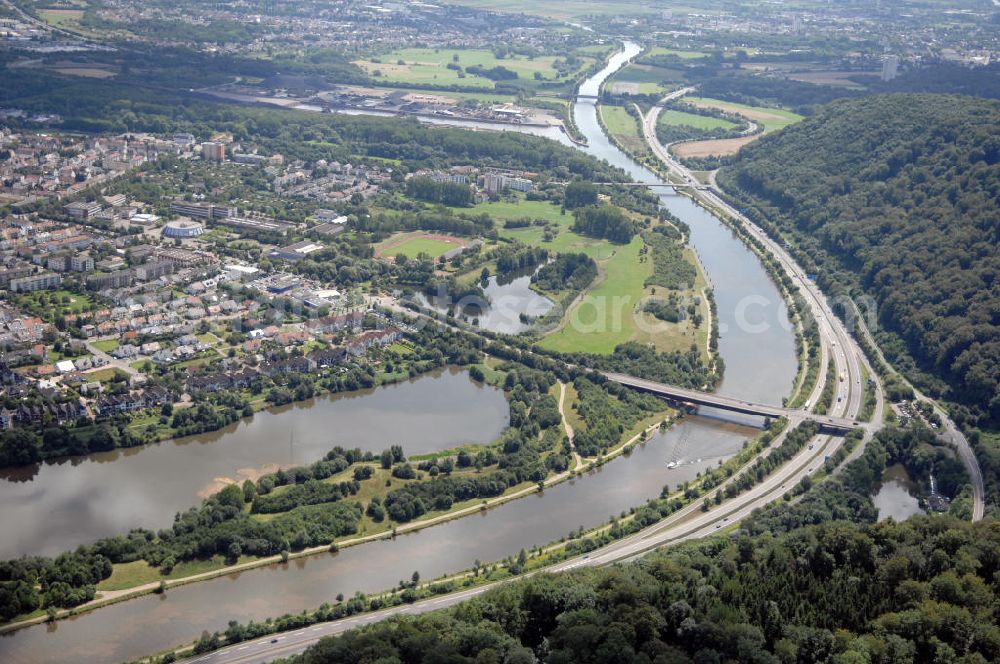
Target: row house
x,y
335,323
151,397
61,413
291,365
328,357
222,381
360,344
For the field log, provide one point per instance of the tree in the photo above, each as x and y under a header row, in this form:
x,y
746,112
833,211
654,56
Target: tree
x,y
580,194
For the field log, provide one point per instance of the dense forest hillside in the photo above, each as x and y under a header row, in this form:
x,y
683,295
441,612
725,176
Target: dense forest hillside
x,y
897,195
923,590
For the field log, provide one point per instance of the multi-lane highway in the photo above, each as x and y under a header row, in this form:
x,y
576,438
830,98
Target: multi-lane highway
x,y
691,522
845,349
688,523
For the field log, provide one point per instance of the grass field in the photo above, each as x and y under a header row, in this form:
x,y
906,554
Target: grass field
x,y
107,345
61,18
672,117
504,210
619,290
772,119
667,337
624,128
105,375
648,79
683,55
565,239
412,245
603,318
430,66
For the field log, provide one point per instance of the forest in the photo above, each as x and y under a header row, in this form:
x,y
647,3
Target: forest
x,y
568,271
896,196
813,580
604,221
834,592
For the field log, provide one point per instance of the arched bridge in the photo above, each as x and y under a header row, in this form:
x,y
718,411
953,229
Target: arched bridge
x,y
827,423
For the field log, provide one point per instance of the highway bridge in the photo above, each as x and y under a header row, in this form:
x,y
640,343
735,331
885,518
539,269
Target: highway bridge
x,y
654,185
827,423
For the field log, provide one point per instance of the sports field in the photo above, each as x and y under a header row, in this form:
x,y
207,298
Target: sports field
x,y
412,245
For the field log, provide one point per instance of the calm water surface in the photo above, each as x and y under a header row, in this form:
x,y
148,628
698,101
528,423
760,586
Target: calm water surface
x,y
508,297
50,508
131,629
758,350
897,496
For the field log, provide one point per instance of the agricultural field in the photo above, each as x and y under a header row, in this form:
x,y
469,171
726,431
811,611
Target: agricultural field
x,y
427,66
834,78
770,119
71,20
645,79
705,122
412,245
683,55
624,128
562,10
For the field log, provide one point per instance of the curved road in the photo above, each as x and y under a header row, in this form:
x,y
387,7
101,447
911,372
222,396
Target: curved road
x,y
835,330
688,523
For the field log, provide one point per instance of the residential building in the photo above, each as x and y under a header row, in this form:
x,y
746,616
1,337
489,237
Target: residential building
x,y
81,263
213,151
37,282
82,209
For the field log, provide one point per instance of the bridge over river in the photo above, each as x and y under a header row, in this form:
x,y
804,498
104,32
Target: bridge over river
x,y
827,423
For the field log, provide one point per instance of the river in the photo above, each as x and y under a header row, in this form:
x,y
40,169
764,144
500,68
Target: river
x,y
756,340
758,349
56,506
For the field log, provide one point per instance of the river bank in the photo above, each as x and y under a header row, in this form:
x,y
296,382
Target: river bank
x,y
760,358
65,503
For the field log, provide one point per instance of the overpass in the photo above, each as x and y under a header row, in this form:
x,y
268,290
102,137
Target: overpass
x,y
653,185
827,423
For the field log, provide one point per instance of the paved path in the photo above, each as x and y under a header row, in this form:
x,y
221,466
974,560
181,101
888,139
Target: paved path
x,y
567,427
112,361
